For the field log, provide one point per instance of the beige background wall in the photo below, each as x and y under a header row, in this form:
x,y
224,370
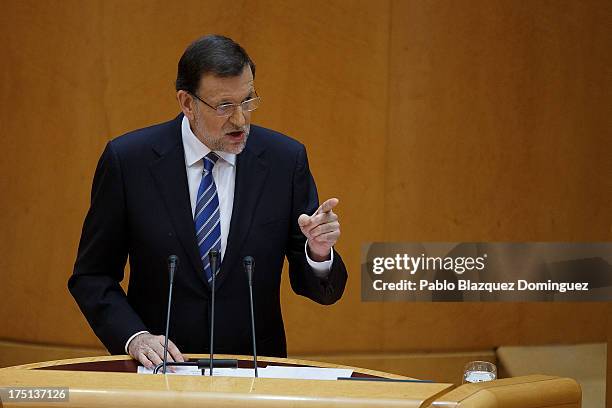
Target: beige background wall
x,y
430,120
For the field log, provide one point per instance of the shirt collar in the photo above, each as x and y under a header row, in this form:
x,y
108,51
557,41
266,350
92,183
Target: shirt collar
x,y
195,150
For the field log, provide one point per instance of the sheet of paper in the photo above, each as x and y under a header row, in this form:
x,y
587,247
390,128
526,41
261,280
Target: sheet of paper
x,y
302,373
177,370
193,370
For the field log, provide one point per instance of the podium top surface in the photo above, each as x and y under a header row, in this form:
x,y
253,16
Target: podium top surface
x,y
126,364
109,387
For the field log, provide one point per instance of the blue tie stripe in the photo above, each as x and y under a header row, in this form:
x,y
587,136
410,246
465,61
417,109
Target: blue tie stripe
x,y
207,224
207,220
205,195
207,214
201,198
206,201
203,236
214,245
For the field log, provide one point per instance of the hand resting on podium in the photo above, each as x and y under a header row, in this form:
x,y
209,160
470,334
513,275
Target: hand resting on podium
x,y
148,349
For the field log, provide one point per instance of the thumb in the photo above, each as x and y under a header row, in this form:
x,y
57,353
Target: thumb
x,y
303,220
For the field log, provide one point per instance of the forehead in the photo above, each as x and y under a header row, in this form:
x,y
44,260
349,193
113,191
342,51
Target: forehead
x,y
216,87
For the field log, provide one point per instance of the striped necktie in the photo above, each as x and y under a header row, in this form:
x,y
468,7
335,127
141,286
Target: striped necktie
x,y
207,220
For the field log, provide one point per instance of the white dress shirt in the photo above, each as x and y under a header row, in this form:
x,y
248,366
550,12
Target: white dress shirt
x,y
224,175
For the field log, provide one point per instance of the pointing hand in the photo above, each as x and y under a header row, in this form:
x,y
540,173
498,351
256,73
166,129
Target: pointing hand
x,y
322,230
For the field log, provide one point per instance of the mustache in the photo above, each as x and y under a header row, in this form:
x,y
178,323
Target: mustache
x,y
243,129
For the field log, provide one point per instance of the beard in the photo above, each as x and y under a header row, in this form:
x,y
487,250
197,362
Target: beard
x,y
230,140
226,142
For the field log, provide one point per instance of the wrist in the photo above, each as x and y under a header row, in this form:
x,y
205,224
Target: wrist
x,y
319,256
131,340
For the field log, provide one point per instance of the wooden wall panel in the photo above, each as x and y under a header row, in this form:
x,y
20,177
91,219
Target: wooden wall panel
x,y
497,132
499,121
486,120
53,123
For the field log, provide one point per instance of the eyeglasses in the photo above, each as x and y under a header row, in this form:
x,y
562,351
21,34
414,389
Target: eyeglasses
x,y
228,109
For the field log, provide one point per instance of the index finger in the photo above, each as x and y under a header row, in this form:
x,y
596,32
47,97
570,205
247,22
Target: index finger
x,y
327,206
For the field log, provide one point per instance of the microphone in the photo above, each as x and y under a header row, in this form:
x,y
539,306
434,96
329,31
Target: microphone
x,y
249,264
173,261
213,257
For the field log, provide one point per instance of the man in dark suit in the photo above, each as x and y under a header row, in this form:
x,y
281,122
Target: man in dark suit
x,y
206,180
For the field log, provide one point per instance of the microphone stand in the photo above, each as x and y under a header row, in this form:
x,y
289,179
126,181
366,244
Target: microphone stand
x,y
249,264
213,256
172,264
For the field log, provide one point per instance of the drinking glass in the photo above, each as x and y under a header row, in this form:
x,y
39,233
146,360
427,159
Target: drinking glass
x,y
479,371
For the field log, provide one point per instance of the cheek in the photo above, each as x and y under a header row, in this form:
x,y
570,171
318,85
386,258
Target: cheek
x,y
214,127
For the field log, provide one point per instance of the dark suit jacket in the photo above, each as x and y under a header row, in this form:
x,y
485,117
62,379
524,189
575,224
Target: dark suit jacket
x,y
140,207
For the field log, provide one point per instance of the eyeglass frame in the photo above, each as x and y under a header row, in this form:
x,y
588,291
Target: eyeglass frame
x,y
233,105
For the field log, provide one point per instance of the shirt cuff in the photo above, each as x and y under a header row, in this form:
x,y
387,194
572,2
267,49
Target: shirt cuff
x,y
320,269
127,343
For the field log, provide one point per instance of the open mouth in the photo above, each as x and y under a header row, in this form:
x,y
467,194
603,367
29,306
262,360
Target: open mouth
x,y
238,135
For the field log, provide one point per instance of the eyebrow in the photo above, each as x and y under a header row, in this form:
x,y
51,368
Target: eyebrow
x,y
250,95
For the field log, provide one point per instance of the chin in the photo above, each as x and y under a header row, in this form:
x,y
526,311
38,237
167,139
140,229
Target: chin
x,y
235,148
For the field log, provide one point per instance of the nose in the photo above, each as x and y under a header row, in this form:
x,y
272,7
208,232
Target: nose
x,y
238,118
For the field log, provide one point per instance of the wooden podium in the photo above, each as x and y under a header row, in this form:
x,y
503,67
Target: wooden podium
x,y
111,381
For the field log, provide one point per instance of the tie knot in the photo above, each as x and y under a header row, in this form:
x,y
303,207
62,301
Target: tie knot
x,y
209,161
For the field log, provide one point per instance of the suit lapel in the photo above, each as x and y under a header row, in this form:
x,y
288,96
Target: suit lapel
x,y
251,174
171,179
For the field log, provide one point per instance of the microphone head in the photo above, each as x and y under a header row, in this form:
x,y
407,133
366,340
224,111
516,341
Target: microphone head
x,y
213,255
248,263
173,260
